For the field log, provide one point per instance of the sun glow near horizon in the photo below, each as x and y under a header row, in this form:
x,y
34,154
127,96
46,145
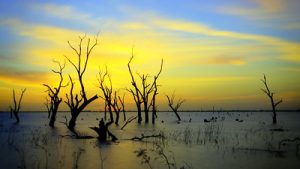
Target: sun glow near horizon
x,y
206,61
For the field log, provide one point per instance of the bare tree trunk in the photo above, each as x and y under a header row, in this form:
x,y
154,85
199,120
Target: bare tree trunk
x,y
176,106
53,94
274,111
53,114
72,122
154,115
79,102
146,113
52,120
139,111
177,115
17,117
142,95
105,111
110,113
153,103
270,95
123,106
135,93
17,106
117,118
107,90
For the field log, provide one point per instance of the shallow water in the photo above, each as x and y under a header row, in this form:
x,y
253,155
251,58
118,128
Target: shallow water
x,y
225,143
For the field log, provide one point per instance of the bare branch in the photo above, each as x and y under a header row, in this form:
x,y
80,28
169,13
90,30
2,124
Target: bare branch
x,y
277,103
270,95
176,106
17,105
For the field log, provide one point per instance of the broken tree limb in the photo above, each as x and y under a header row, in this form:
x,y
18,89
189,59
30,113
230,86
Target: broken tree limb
x,y
128,121
136,138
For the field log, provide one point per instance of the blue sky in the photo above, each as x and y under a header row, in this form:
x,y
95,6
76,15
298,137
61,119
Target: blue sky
x,y
206,45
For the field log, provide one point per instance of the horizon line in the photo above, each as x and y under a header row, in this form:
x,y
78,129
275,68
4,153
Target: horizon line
x,y
207,110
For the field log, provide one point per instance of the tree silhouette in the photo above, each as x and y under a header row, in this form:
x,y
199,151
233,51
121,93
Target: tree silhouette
x,y
147,90
155,93
270,95
117,107
143,94
107,90
111,98
175,106
54,100
153,102
77,103
17,105
135,92
122,101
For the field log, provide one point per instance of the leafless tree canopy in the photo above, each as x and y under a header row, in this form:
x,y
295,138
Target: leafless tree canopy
x,y
270,94
149,89
175,105
146,94
135,92
53,100
17,105
122,102
113,101
106,87
76,102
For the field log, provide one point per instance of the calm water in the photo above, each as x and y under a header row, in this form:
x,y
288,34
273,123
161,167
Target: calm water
x,y
225,143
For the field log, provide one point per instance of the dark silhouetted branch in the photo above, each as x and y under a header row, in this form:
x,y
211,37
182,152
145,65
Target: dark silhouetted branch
x,y
270,95
54,100
175,106
17,105
142,137
77,103
128,121
136,92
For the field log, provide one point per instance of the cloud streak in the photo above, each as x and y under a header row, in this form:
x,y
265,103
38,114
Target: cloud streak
x,y
288,50
17,76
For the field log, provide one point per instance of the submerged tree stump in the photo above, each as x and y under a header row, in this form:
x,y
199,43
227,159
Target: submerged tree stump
x,y
103,131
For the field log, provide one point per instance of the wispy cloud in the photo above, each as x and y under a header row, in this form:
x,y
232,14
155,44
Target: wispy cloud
x,y
272,13
227,60
66,12
18,76
288,50
259,9
52,34
134,26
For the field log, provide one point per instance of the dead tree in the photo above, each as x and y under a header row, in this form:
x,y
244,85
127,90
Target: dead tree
x,y
77,103
103,131
153,102
48,106
117,108
17,105
175,106
135,92
270,95
128,121
122,101
107,90
105,111
143,95
53,94
147,90
154,88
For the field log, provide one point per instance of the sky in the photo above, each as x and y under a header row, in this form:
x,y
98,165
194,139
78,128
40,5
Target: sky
x,y
215,52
